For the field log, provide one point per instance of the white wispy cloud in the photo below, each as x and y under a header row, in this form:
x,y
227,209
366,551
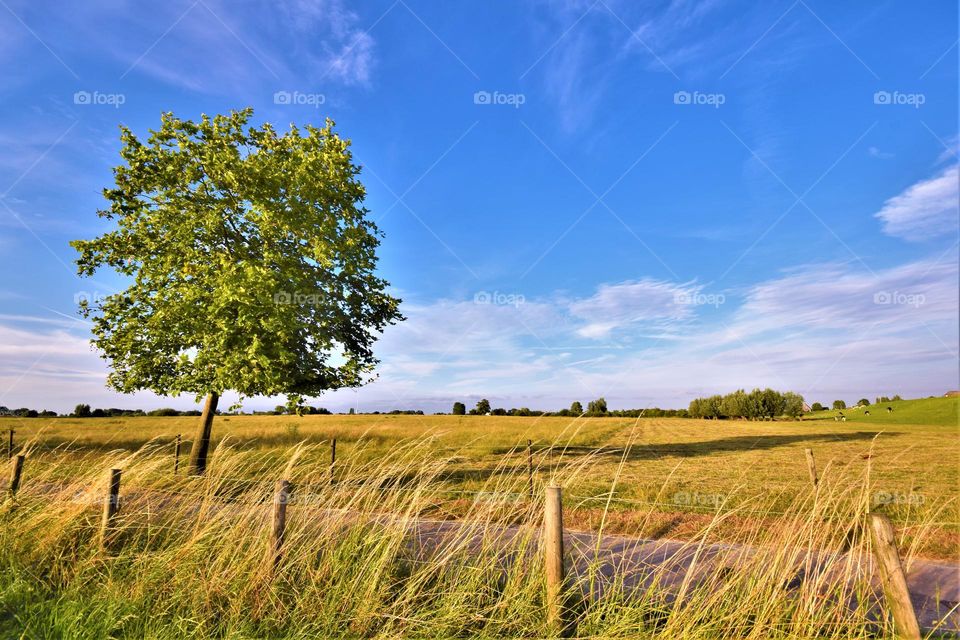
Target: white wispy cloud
x,y
836,297
825,330
924,210
629,303
301,45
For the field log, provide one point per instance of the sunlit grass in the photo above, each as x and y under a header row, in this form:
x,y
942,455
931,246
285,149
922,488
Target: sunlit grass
x,y
395,546
678,468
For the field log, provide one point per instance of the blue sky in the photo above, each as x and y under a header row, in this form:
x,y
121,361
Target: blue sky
x,y
645,202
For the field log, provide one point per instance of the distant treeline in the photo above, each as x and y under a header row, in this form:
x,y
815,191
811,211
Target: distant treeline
x,y
24,412
85,411
759,404
595,408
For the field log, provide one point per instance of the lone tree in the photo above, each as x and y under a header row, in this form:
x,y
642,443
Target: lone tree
x,y
81,411
251,264
597,407
792,404
482,408
576,408
459,409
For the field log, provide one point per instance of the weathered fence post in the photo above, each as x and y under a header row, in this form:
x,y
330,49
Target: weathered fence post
x,y
10,445
111,504
176,455
16,470
530,467
812,466
553,558
893,578
333,458
279,522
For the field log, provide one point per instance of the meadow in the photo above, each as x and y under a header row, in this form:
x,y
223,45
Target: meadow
x,y
191,559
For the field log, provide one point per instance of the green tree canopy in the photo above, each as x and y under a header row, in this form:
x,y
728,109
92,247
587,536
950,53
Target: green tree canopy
x,y
759,404
483,407
576,408
250,258
81,411
735,405
597,407
792,404
459,409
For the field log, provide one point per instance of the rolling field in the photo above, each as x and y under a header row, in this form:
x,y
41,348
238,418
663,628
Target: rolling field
x,y
667,476
185,557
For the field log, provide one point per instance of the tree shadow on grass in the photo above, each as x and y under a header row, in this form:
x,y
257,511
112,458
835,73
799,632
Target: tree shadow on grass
x,y
640,451
561,457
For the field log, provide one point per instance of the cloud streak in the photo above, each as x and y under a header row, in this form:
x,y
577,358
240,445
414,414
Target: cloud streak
x,y
925,210
826,330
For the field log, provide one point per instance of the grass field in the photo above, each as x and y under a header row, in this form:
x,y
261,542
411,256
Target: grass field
x,y
664,477
186,556
929,411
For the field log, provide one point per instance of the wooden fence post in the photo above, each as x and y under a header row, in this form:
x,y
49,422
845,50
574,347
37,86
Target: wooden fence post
x,y
530,467
812,466
333,458
553,558
111,504
893,578
10,445
16,470
279,522
176,455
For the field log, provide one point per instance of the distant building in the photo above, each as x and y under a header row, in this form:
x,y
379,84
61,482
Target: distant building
x,y
952,394
806,408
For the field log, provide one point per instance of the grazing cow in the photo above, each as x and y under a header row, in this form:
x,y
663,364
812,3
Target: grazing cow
x,y
866,413
843,419
889,409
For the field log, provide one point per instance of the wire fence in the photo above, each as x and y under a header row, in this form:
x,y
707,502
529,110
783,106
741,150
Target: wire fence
x,y
531,458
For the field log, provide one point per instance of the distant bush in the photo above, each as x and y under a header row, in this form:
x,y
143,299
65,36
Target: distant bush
x,y
81,411
482,408
315,411
166,411
597,407
759,404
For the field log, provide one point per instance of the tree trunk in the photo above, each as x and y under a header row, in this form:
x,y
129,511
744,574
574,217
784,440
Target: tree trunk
x,y
201,444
